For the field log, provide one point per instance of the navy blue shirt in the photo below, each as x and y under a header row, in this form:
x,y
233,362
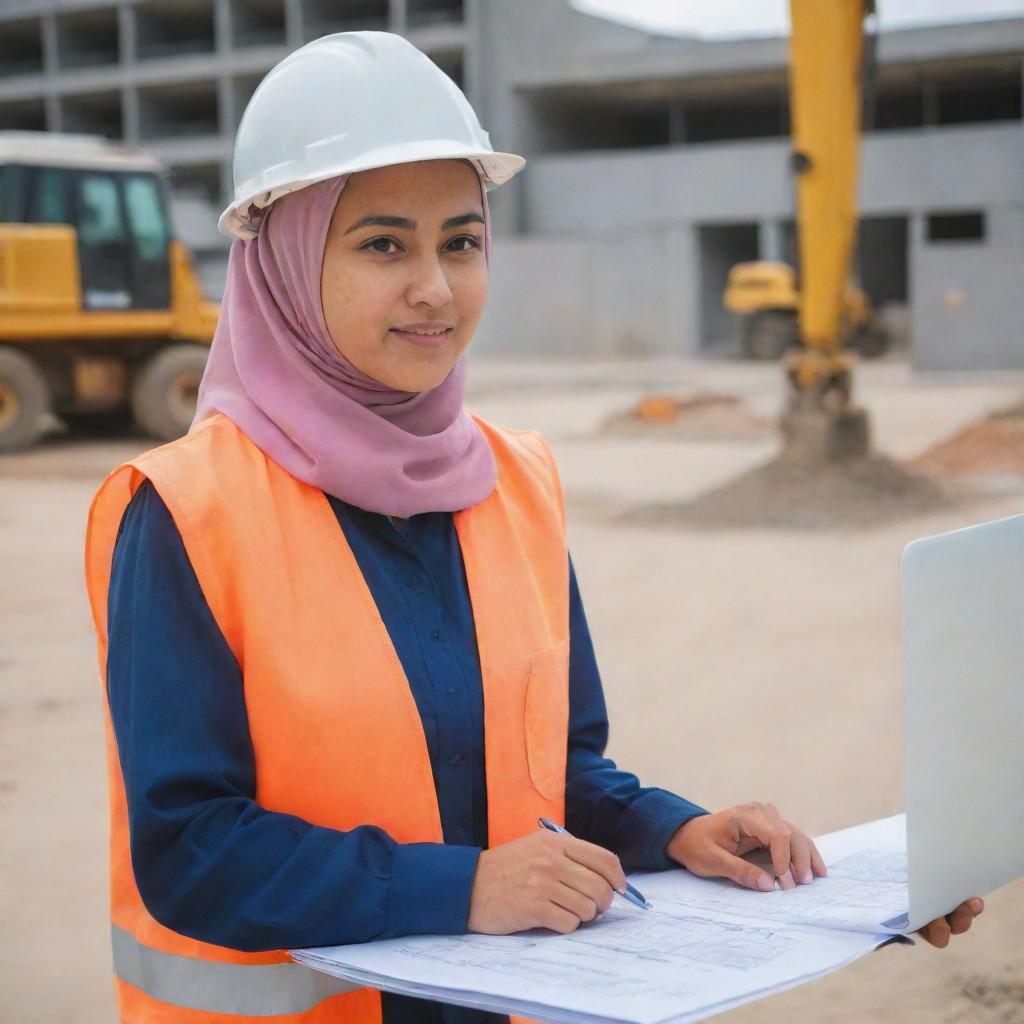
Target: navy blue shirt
x,y
212,864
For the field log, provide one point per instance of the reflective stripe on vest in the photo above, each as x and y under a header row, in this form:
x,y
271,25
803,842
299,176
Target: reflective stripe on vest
x,y
254,991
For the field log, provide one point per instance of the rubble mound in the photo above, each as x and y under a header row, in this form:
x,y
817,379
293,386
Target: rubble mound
x,y
989,451
858,493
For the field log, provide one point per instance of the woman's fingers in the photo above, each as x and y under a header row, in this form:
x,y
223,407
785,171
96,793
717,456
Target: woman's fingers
x,y
800,851
598,859
781,858
795,858
592,885
963,917
817,861
742,872
939,931
568,898
558,920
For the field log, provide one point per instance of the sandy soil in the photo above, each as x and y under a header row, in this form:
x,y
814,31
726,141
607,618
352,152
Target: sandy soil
x,y
740,663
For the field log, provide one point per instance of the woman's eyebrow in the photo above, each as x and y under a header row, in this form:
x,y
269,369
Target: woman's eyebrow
x,y
404,222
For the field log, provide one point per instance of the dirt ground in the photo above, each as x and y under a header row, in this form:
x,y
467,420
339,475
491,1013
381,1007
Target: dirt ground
x,y
743,662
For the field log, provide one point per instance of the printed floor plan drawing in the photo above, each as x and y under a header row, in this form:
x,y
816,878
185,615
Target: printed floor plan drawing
x,y
708,945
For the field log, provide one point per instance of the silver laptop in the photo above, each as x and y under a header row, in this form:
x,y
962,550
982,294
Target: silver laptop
x,y
963,649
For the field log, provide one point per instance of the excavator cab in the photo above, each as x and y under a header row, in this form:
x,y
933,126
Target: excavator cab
x,y
100,308
122,224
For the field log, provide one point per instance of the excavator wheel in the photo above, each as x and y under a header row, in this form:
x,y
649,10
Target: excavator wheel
x,y
164,392
768,334
24,398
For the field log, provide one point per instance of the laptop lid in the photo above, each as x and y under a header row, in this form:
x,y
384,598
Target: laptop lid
x,y
963,648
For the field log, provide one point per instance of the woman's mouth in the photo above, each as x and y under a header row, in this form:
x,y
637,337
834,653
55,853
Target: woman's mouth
x,y
424,338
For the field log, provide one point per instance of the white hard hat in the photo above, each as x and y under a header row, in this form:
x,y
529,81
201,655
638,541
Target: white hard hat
x,y
348,102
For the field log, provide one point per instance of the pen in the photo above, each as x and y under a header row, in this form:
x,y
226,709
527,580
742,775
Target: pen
x,y
632,893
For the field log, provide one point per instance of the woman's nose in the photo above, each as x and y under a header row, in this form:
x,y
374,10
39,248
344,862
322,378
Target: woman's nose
x,y
429,284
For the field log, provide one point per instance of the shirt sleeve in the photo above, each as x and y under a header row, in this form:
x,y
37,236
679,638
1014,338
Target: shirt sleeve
x,y
604,804
209,862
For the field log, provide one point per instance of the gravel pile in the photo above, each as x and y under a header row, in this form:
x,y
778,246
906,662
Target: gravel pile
x,y
857,494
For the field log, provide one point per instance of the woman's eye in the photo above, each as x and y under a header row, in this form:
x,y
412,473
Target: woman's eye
x,y
473,243
378,241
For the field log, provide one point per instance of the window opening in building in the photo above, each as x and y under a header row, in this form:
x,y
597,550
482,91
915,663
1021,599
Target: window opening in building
x,y
21,47
258,23
956,227
720,247
171,28
321,17
96,113
22,115
435,12
189,108
87,38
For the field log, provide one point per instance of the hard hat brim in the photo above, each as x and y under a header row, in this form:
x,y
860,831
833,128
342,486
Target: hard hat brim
x,y
261,192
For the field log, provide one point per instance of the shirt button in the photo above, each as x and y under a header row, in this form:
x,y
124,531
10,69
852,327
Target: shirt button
x,y
452,693
436,634
416,582
456,760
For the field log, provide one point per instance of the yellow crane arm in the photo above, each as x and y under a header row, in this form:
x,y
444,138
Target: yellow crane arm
x,y
827,44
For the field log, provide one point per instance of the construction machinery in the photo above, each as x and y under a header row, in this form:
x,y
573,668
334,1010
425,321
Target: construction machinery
x,y
764,295
101,311
813,316
827,73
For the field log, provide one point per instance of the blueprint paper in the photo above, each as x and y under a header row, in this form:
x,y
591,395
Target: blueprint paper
x,y
866,885
707,946
628,965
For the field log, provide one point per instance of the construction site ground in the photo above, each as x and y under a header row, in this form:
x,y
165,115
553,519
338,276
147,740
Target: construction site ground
x,y
740,662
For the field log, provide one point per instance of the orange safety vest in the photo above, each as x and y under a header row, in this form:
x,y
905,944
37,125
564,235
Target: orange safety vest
x,y
336,733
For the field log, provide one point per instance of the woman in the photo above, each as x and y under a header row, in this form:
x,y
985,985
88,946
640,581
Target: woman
x,y
347,662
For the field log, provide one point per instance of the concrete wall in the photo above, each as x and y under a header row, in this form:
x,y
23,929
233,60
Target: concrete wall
x,y
592,193
969,297
623,296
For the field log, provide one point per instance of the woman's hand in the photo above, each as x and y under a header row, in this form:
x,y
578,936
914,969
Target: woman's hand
x,y
542,880
937,932
712,846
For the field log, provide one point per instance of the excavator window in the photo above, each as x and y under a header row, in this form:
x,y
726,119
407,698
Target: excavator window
x,y
146,216
104,251
48,199
150,237
14,180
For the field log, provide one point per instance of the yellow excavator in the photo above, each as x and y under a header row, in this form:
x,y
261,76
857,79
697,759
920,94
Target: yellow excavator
x,y
827,73
764,294
101,311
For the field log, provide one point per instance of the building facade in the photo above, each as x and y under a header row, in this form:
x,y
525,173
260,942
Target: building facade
x,y
654,163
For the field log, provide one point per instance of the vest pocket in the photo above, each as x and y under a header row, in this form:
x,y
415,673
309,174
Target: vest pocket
x,y
547,719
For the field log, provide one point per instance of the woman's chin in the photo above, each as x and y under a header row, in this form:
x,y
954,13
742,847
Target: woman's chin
x,y
423,379
420,369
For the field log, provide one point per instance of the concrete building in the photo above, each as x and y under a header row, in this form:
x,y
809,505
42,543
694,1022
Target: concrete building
x,y
655,162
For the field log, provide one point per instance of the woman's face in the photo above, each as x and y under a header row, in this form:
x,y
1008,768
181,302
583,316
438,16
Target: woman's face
x,y
424,268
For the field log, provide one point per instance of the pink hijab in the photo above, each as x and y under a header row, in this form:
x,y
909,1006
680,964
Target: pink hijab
x,y
275,371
